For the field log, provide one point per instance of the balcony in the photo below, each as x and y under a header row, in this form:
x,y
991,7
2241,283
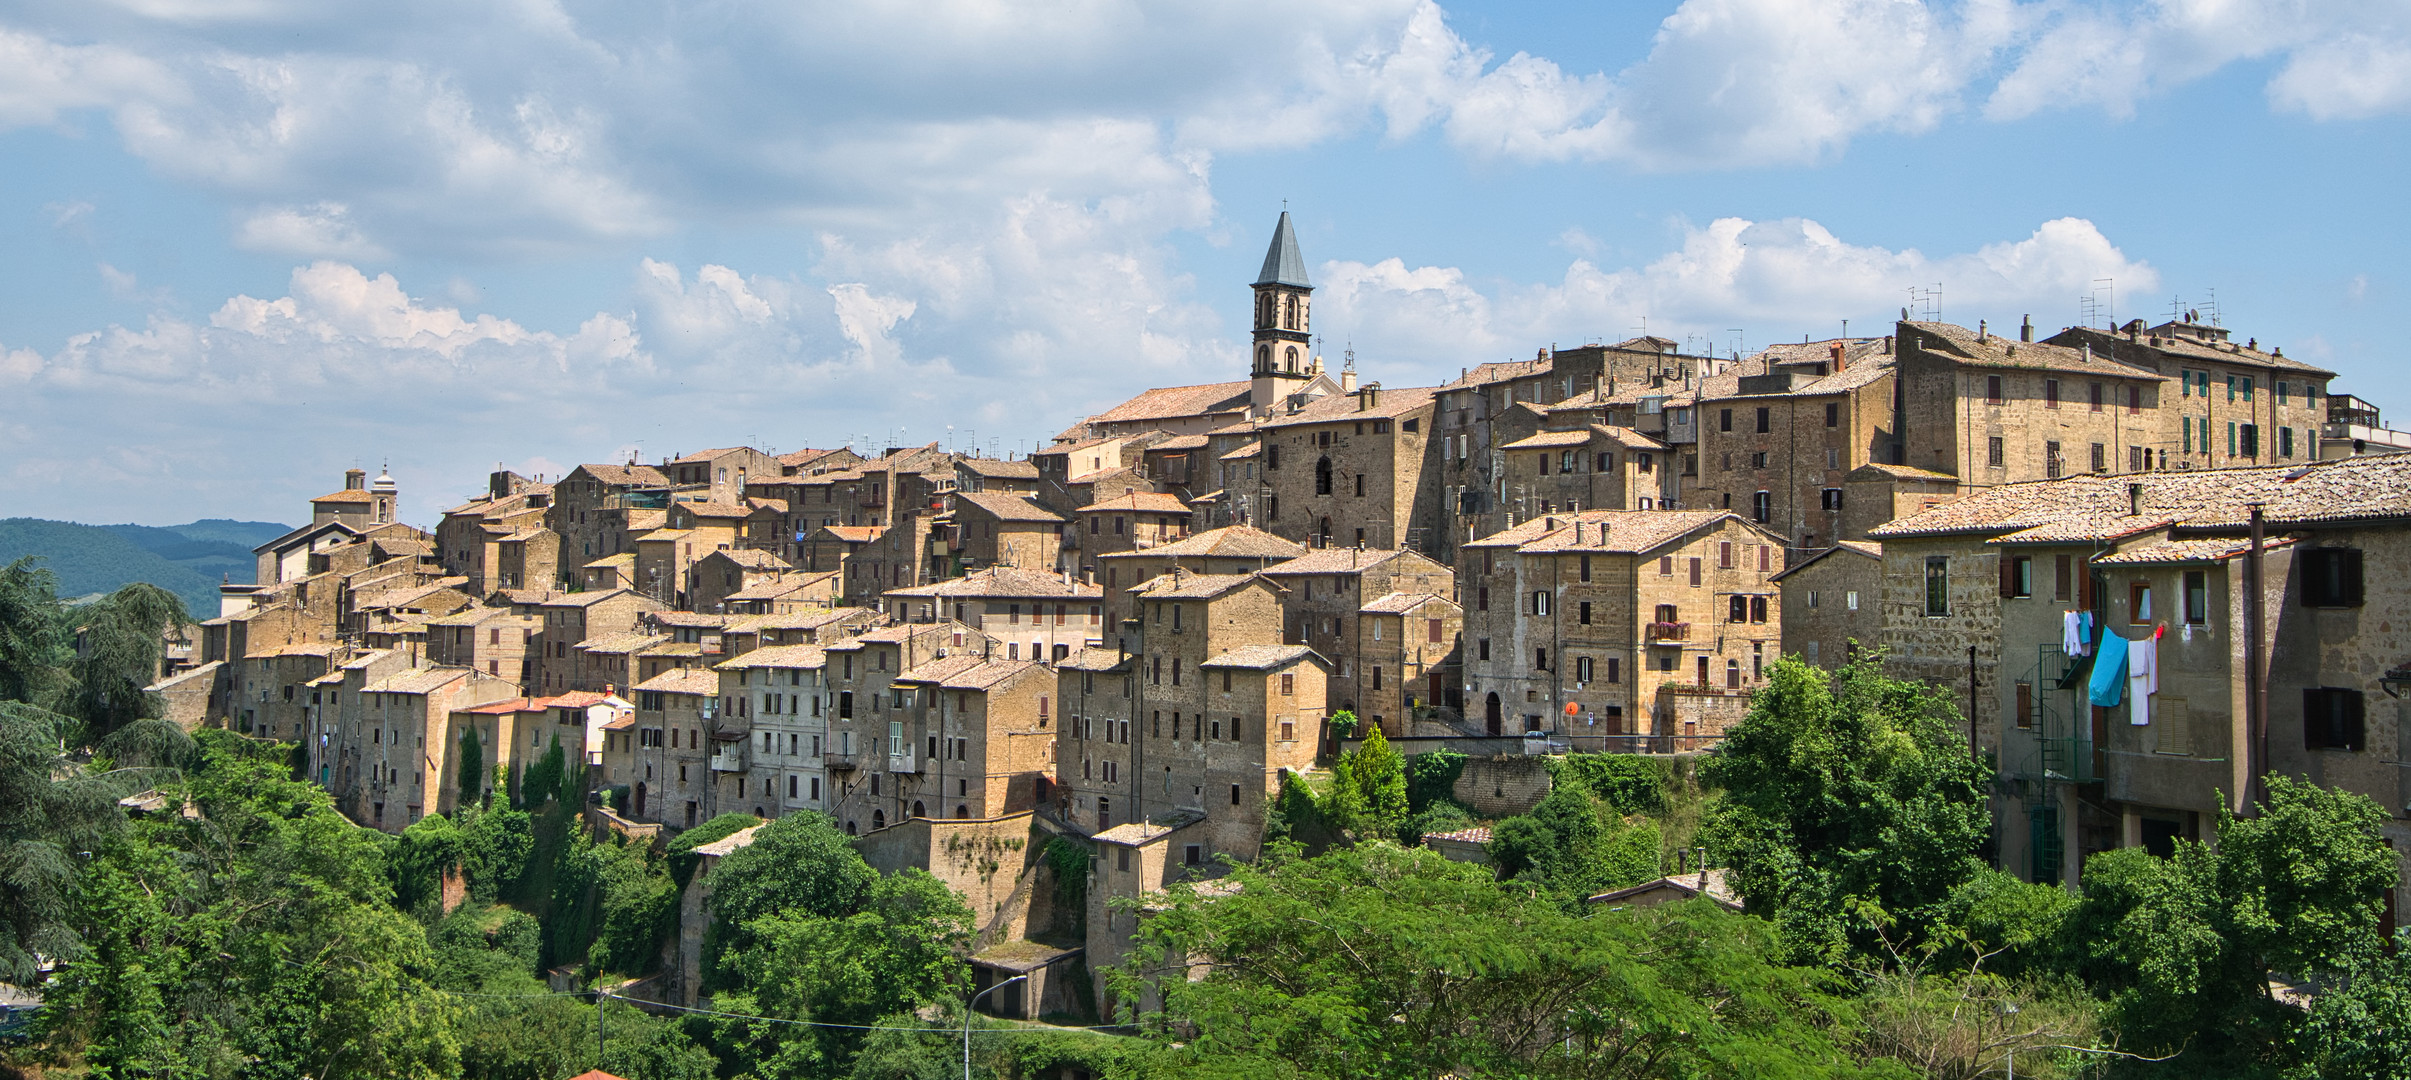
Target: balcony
x,y
1668,632
836,762
902,763
729,759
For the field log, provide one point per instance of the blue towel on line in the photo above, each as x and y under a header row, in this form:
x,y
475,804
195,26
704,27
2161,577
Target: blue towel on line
x,y
2109,671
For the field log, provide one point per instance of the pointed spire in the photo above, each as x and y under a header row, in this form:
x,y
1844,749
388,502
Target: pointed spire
x,y
1282,263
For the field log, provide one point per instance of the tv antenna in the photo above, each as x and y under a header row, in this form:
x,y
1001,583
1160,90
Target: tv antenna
x,y
1926,301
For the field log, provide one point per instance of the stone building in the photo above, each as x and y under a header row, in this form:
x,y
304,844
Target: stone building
x,y
1323,594
721,475
1131,522
1232,549
1777,444
1000,529
1352,470
1406,661
669,764
778,699
1032,615
569,619
469,539
1594,467
997,475
722,574
978,738
491,640
2166,557
868,713
387,758
591,508
1620,629
1990,411
2233,404
1829,602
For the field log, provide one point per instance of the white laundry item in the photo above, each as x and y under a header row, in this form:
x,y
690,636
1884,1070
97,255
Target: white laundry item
x,y
2071,634
2142,677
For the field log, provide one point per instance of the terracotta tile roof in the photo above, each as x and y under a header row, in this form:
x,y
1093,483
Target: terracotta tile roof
x,y
1398,603
1479,834
2174,552
1007,506
575,699
394,598
1228,542
1261,657
505,708
625,558
1174,402
799,458
697,681
1868,548
1341,408
1876,470
854,534
717,510
1863,548
1004,581
708,455
1135,833
694,619
659,536
625,475
2362,488
298,648
2076,529
403,547
1550,440
1995,351
1339,561
1092,660
966,671
1253,447
1138,502
1612,531
786,586
1179,443
1000,469
585,599
347,495
1503,371
641,519
779,656
418,681
751,559
1100,474
526,596
1190,586
795,620
625,641
2195,349
475,616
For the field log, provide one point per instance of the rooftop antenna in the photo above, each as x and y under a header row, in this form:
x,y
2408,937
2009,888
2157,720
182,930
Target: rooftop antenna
x,y
2212,308
1737,340
1845,329
1926,301
2107,290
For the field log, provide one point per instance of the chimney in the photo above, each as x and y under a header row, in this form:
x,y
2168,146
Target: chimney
x,y
2026,331
1981,332
2134,498
355,479
1347,381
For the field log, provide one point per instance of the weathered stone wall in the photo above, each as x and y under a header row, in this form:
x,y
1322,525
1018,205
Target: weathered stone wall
x,y
1503,786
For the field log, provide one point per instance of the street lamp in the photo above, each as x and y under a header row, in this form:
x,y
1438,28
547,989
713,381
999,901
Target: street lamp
x,y
972,1006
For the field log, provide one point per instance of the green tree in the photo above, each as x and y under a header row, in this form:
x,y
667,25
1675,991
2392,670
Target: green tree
x,y
800,864
53,812
255,935
1849,801
2183,949
471,782
1368,789
1379,961
899,950
121,639
1574,845
34,638
2359,1027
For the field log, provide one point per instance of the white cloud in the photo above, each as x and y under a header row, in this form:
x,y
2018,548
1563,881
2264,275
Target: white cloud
x,y
321,229
1771,278
2341,58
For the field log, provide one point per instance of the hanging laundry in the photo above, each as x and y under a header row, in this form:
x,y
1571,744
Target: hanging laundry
x,y
2084,633
2109,672
2142,677
2071,634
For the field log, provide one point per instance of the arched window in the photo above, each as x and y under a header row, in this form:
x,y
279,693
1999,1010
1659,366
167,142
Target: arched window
x,y
1290,320
1323,534
878,819
1490,713
961,810
1322,477
917,811
1264,358
1289,358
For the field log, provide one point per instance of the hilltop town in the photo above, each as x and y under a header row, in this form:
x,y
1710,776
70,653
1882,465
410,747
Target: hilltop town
x,y
1135,636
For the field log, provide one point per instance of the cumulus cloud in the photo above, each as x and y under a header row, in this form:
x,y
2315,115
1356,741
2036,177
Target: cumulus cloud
x,y
1773,279
2338,59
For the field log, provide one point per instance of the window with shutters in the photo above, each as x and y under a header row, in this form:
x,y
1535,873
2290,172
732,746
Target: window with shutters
x,y
1996,452
1724,554
2174,719
1937,585
2024,715
1992,389
1737,608
2017,575
2197,597
2331,719
2331,577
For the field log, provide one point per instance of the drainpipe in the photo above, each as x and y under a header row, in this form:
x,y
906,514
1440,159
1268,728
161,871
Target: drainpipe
x,y
2256,689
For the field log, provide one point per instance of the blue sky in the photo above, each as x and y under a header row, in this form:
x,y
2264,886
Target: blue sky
x,y
250,243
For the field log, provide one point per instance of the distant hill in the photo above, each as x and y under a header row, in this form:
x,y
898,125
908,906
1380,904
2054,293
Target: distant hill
x,y
188,560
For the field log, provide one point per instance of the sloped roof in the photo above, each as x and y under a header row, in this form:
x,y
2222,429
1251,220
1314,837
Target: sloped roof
x,y
418,681
347,495
1007,506
584,599
854,534
1174,402
1000,469
1283,265
1611,531
1190,586
1341,408
1138,502
1995,351
751,559
1399,603
1337,560
707,455
627,475
1228,542
966,671
1261,657
1864,548
2175,552
1085,659
2360,488
779,656
701,682
1003,581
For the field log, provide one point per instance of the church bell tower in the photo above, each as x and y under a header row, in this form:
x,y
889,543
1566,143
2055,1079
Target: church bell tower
x,y
1284,355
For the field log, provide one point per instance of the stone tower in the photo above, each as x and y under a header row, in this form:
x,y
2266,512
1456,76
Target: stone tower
x,y
1284,355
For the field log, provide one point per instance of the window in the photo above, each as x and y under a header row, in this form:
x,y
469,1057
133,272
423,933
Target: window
x,y
1762,507
1583,568
1732,674
1763,417
1995,453
1724,554
2331,577
1540,659
1665,566
2251,439
1992,389
1540,602
1322,476
1289,684
1615,669
2017,575
1833,414
1937,585
2134,400
1850,600
2285,442
2101,458
1695,568
2138,602
2093,391
2062,573
2050,393
1582,669
1831,500
1758,609
1724,419
2051,460
1583,613
1737,609
2331,719
2197,597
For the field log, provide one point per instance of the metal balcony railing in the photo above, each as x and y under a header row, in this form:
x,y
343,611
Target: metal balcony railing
x,y
1669,631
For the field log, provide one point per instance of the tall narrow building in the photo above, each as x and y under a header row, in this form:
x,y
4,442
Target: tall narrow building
x,y
1284,307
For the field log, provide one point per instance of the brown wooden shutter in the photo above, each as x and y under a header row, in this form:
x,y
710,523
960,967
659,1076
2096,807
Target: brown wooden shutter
x,y
2008,575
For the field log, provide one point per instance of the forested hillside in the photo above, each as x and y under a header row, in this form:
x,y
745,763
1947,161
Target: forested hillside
x,y
188,560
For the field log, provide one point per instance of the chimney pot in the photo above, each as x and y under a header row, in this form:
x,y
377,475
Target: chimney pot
x,y
2026,330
